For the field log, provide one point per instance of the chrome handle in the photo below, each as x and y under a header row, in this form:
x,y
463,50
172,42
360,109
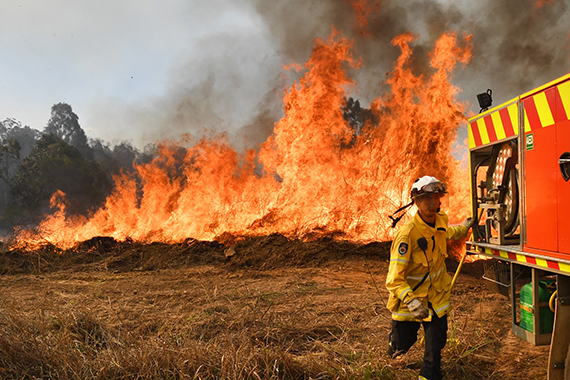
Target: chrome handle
x,y
564,161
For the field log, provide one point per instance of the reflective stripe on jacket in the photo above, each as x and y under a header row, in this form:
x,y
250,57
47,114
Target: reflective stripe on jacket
x,y
409,264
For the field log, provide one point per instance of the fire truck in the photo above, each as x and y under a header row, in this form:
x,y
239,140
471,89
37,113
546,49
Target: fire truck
x,y
519,158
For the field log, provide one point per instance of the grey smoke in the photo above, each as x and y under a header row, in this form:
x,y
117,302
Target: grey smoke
x,y
231,82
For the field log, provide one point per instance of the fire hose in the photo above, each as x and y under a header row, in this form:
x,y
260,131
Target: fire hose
x,y
551,304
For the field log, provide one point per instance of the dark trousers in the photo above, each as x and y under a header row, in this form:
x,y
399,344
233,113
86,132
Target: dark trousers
x,y
405,334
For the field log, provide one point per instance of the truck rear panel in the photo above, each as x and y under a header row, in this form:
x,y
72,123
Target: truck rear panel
x,y
519,155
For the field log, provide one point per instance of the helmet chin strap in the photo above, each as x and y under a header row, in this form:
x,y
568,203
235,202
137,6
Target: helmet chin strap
x,y
395,219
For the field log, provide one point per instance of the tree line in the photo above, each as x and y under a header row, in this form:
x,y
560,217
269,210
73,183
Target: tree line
x,y
34,165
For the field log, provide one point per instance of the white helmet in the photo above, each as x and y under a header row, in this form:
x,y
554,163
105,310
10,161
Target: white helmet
x,y
427,184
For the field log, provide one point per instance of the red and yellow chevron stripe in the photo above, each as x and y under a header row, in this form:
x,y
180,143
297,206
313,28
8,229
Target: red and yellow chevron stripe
x,y
498,124
543,107
546,108
546,264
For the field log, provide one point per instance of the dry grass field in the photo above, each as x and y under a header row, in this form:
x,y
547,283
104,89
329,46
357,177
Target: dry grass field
x,y
262,308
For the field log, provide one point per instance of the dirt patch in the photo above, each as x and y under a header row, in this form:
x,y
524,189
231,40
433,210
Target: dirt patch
x,y
264,307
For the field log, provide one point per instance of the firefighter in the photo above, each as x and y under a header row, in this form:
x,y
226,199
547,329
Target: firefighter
x,y
418,281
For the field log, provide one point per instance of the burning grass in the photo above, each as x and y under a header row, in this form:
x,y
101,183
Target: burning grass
x,y
263,308
316,172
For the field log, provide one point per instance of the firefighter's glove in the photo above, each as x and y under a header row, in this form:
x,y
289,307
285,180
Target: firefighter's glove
x,y
468,222
418,309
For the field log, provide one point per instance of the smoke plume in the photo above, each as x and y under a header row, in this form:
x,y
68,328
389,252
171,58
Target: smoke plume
x,y
235,80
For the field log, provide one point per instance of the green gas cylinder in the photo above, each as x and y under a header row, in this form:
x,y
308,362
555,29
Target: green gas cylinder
x,y
545,290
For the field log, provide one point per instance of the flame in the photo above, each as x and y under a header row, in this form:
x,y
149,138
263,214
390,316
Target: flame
x,y
319,176
544,3
363,10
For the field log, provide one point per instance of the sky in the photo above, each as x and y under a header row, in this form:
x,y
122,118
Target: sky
x,y
148,70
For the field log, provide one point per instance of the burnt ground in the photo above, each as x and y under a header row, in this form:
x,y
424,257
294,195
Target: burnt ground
x,y
280,308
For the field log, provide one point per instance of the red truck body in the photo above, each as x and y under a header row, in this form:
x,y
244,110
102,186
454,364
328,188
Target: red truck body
x,y
520,194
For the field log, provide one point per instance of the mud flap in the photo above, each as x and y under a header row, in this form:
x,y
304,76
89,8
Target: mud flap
x,y
561,332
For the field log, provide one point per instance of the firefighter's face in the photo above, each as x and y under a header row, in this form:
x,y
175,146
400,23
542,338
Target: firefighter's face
x,y
429,204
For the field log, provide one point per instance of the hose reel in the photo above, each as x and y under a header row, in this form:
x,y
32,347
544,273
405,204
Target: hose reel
x,y
500,195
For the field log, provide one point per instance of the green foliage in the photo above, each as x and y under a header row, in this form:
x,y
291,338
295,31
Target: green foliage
x,y
16,142
9,157
12,129
64,123
119,158
55,165
34,165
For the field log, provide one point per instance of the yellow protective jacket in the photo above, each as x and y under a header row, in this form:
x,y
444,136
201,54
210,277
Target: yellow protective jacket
x,y
409,264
